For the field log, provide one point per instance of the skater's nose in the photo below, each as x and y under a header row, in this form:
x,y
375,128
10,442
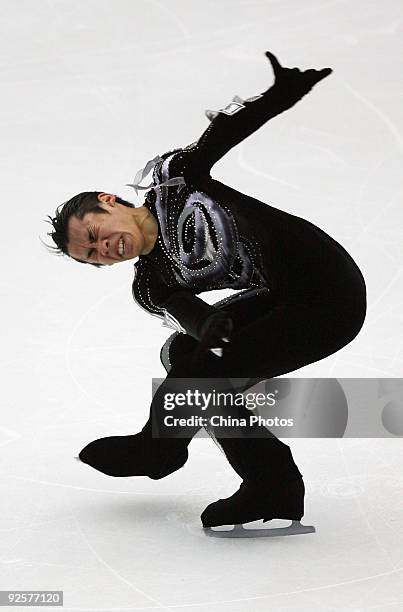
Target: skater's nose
x,y
103,247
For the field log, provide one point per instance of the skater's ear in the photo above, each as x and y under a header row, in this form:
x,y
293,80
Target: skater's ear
x,y
107,198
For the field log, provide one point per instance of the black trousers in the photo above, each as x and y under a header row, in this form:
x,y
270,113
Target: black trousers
x,y
274,333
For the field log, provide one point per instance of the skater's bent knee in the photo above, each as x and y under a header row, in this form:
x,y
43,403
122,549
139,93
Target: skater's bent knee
x,y
352,313
358,311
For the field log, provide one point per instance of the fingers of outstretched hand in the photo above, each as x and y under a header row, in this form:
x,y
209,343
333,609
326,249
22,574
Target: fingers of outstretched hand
x,y
317,75
324,73
277,67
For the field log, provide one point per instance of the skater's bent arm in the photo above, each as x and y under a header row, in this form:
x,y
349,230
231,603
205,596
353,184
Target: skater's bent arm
x,y
180,308
204,322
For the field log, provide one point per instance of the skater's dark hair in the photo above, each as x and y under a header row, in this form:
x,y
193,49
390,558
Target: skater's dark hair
x,y
78,205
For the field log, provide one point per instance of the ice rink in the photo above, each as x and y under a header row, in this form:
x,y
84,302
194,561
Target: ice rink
x,y
91,90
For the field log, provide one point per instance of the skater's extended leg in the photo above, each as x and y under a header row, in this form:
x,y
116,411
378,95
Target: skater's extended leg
x,y
136,455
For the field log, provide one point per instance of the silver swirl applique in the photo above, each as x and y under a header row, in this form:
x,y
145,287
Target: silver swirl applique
x,y
207,258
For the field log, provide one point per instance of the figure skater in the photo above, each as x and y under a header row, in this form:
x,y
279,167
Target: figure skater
x,y
301,298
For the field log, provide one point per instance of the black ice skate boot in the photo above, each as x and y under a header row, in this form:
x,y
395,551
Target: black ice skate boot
x,y
253,502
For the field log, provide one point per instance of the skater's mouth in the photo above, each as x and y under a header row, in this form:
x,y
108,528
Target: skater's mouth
x,y
121,247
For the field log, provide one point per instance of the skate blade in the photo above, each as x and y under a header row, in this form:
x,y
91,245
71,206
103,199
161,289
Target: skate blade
x,y
239,531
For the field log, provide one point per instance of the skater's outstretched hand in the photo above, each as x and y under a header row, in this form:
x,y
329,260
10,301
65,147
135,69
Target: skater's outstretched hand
x,y
293,79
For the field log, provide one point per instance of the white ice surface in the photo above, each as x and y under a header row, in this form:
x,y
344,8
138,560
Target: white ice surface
x,y
90,90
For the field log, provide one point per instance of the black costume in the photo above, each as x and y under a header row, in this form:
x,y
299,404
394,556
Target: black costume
x,y
302,296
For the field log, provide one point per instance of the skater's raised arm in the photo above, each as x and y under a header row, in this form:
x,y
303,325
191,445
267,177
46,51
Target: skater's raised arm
x,y
240,118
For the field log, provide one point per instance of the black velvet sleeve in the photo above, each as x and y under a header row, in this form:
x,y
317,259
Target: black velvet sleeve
x,y
190,311
177,308
238,120
209,325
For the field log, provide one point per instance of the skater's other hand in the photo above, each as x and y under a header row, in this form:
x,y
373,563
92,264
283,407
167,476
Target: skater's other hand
x,y
215,333
295,78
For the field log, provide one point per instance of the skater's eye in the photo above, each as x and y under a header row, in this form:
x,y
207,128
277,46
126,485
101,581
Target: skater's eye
x,y
92,234
92,237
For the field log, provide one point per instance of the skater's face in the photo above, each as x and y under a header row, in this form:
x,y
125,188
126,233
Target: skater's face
x,y
97,237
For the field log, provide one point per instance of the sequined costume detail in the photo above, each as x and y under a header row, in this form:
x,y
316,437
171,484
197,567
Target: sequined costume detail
x,y
210,236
